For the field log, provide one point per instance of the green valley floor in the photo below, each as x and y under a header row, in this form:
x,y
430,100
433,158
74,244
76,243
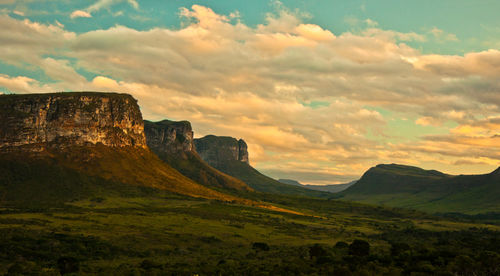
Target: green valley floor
x,y
178,235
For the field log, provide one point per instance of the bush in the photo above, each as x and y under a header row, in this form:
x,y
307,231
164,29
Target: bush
x,y
359,248
68,265
317,251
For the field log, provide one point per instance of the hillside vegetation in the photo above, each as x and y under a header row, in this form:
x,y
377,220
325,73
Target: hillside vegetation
x,y
427,190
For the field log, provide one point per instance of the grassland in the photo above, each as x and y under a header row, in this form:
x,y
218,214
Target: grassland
x,y
173,234
127,213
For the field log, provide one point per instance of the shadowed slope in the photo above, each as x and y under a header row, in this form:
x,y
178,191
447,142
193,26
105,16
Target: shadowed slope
x,y
433,191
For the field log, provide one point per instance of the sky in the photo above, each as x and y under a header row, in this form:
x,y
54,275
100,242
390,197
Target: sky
x,y
320,90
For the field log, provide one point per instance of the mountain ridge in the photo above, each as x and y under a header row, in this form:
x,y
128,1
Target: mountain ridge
x,y
427,190
173,142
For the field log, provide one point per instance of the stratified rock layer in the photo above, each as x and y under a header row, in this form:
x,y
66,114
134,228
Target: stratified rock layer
x,y
59,120
173,142
219,150
169,137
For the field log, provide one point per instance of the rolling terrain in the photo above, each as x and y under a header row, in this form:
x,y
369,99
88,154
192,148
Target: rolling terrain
x,y
427,190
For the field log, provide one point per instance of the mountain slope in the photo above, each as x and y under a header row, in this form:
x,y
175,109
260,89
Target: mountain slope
x,y
58,147
230,156
433,191
82,172
173,142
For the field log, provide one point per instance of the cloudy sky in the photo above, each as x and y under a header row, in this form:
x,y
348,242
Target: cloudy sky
x,y
320,90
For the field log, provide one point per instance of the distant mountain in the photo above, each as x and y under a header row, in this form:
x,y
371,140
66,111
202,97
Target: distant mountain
x,y
332,188
230,156
290,182
173,142
60,147
428,190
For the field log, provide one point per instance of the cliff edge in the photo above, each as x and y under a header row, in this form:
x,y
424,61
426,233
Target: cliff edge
x,y
59,120
219,150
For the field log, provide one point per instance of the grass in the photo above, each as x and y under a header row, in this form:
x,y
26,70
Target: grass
x,y
188,235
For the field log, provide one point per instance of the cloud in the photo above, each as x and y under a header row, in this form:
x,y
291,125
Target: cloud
x,y
24,42
101,4
79,13
442,36
254,82
18,84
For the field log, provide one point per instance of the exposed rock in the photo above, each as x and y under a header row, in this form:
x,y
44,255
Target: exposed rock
x,y
173,143
219,150
59,120
169,137
242,151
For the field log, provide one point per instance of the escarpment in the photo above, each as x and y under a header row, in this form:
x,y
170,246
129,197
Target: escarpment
x,y
60,120
61,147
173,142
219,150
170,137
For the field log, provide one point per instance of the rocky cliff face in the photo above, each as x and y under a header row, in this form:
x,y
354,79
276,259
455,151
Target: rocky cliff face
x,y
38,121
169,137
218,150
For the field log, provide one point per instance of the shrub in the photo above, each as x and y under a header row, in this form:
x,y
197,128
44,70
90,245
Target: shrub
x,y
317,251
359,248
68,265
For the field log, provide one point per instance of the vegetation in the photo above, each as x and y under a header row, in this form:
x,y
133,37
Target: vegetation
x,y
431,191
173,234
93,210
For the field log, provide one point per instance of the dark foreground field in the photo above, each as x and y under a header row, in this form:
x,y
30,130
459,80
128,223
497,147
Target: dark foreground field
x,y
172,234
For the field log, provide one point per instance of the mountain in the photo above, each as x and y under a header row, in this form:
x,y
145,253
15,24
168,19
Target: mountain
x,y
230,156
60,147
333,188
290,182
427,190
173,142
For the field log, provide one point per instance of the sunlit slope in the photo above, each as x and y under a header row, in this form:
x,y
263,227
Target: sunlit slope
x,y
80,172
428,190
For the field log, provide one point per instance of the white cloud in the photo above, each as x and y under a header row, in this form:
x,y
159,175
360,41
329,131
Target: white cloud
x,y
229,78
102,4
79,13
